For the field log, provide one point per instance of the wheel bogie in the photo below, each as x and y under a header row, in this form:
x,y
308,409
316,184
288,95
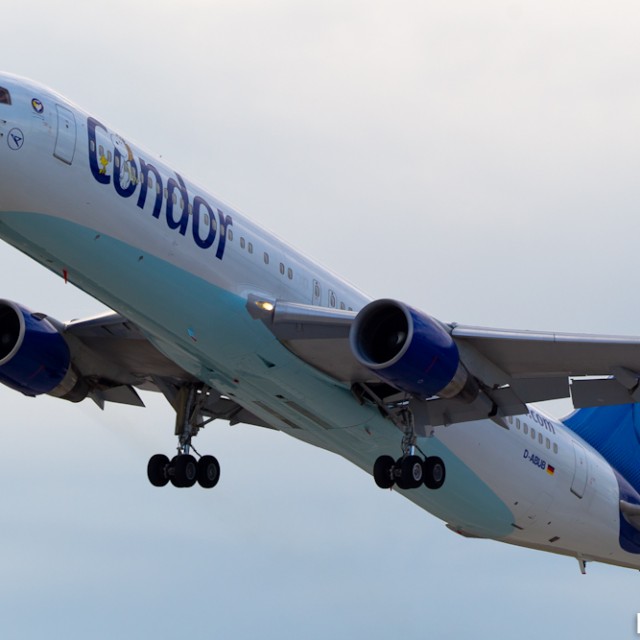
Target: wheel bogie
x,y
183,471
409,472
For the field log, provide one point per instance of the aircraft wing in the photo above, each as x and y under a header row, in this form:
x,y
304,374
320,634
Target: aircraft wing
x,y
609,364
115,358
513,367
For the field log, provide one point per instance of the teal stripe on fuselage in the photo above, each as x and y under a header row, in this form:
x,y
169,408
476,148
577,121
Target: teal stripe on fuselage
x,y
208,331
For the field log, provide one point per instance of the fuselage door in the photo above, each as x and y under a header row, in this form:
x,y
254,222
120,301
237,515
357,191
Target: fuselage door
x,y
66,139
579,481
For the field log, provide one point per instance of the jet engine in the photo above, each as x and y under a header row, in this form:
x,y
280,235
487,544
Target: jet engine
x,y
411,351
34,356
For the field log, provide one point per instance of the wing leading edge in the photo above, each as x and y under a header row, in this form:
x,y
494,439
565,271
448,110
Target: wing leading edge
x,y
513,367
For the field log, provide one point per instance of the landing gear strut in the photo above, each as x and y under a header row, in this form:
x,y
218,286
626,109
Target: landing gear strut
x,y
409,471
183,470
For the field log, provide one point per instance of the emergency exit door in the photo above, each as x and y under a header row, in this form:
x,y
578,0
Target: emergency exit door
x,y
66,137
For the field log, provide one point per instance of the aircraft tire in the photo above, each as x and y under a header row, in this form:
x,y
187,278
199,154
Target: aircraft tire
x,y
434,472
412,472
208,472
185,471
157,470
382,471
401,482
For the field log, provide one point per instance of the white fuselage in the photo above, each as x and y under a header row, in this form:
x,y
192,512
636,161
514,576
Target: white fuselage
x,y
178,262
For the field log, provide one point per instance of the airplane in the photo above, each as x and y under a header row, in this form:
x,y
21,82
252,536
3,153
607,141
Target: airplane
x,y
229,322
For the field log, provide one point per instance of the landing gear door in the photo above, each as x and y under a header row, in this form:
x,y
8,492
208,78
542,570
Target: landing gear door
x,y
66,139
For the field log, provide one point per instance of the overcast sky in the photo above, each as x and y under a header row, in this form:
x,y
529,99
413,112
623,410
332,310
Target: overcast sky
x,y
479,160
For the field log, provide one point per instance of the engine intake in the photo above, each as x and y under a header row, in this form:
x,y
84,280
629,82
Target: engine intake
x,y
411,351
34,357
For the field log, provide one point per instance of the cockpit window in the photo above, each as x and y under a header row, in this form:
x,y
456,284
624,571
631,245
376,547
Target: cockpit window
x,y
5,96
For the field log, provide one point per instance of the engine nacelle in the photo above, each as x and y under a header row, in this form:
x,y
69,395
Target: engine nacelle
x,y
410,350
34,357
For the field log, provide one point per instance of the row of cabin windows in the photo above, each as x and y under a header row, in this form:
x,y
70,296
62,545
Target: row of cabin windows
x,y
244,244
543,440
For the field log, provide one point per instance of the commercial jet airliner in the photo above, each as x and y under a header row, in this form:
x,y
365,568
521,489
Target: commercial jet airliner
x,y
229,322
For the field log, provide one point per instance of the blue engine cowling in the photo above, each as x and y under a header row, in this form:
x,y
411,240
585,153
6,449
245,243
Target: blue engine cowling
x,y
410,350
34,357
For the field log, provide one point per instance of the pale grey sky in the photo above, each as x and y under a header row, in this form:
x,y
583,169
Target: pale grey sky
x,y
477,160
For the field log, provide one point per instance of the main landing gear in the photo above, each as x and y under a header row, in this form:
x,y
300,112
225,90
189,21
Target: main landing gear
x,y
409,471
183,470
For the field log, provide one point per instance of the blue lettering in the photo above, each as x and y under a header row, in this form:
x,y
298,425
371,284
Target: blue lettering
x,y
183,221
127,174
99,175
225,221
145,170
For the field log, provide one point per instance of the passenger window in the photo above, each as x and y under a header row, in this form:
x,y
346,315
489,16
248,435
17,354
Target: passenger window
x,y
342,305
332,299
290,273
517,422
548,443
5,96
266,258
555,448
230,234
250,248
533,433
540,438
281,268
525,428
242,243
316,289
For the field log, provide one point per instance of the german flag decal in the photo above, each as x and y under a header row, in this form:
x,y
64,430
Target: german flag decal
x,y
550,470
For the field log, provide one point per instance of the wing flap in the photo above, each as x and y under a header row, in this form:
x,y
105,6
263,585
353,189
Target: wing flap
x,y
114,356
